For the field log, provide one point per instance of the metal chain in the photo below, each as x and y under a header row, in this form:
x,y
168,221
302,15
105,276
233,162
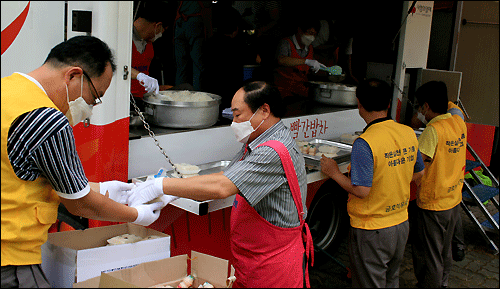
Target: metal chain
x,y
403,94
152,134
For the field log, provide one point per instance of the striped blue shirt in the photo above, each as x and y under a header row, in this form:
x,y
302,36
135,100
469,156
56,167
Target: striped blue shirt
x,y
261,179
41,144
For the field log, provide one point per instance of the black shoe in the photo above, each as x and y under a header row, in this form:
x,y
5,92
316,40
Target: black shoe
x,y
458,254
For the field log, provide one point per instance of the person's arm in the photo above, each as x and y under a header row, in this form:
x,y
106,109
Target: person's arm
x,y
283,55
54,137
330,168
98,207
262,161
148,82
200,188
134,72
427,144
418,169
417,177
290,61
427,160
94,205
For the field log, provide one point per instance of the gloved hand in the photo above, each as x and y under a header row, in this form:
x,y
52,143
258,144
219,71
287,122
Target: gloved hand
x,y
118,191
147,214
314,64
149,83
166,199
145,192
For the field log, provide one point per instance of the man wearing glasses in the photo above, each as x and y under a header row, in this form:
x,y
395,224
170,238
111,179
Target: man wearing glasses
x,y
40,164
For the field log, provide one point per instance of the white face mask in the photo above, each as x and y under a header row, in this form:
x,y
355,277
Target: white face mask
x,y
243,130
307,39
421,117
78,108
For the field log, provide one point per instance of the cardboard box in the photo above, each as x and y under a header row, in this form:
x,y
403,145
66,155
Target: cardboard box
x,y
75,256
171,271
89,283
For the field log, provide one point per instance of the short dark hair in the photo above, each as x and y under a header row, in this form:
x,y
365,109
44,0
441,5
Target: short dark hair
x,y
87,52
308,22
259,92
374,94
158,11
435,93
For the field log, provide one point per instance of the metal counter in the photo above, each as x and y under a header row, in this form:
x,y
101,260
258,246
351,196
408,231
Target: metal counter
x,y
204,207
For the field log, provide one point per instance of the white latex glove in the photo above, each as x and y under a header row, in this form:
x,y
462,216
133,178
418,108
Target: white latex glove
x,y
166,199
147,214
149,83
145,192
118,191
314,64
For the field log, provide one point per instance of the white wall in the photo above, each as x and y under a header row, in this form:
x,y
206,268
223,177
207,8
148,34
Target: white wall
x,y
413,44
112,23
42,30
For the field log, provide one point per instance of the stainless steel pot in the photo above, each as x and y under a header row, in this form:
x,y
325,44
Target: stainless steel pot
x,y
333,93
135,120
179,114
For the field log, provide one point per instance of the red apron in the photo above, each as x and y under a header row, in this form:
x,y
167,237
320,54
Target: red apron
x,y
290,80
266,255
140,62
186,17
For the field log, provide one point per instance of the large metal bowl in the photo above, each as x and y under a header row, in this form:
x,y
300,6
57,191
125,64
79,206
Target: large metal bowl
x,y
333,93
179,114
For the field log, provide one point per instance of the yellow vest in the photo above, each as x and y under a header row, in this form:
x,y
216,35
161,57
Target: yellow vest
x,y
394,147
28,207
441,187
452,105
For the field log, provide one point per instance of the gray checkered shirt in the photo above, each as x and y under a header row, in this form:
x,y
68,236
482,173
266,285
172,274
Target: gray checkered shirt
x,y
260,177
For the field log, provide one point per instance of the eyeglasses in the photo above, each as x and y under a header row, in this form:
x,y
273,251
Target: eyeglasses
x,y
97,99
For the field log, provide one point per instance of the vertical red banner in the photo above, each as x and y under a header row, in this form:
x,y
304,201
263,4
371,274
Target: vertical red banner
x,y
103,150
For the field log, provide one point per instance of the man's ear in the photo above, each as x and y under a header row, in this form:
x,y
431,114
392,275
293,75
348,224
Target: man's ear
x,y
266,110
72,72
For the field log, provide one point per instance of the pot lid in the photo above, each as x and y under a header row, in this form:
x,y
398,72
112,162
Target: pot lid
x,y
333,86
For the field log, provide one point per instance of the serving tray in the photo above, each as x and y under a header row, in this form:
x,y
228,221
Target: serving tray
x,y
343,155
200,207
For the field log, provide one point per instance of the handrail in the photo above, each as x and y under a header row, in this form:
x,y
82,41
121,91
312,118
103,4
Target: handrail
x,y
464,22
